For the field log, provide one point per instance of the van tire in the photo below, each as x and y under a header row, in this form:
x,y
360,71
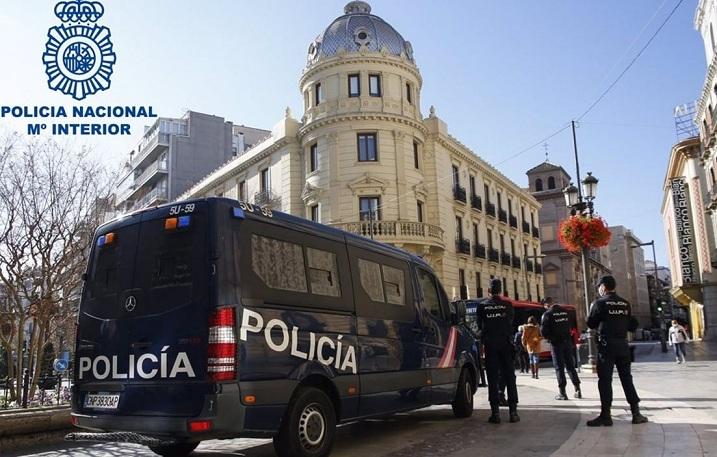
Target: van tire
x,y
175,450
309,417
463,403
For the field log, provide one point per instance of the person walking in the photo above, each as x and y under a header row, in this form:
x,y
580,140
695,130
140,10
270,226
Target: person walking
x,y
495,320
531,342
612,316
520,352
556,327
678,337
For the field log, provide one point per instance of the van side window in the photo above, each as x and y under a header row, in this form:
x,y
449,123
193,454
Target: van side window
x,y
430,293
279,264
370,273
323,272
394,285
382,283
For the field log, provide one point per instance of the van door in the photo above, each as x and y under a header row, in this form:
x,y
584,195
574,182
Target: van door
x,y
440,337
389,334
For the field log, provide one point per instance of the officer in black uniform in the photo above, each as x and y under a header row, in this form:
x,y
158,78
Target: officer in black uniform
x,y
495,320
555,327
612,317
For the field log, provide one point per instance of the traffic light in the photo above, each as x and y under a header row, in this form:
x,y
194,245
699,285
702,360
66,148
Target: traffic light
x,y
659,307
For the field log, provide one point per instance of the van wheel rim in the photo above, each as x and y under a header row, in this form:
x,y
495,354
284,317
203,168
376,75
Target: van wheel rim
x,y
312,426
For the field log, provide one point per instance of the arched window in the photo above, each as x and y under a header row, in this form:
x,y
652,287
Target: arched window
x,y
551,183
538,184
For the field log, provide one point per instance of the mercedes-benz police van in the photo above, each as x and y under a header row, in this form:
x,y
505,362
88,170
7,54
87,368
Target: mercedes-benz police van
x,y
216,318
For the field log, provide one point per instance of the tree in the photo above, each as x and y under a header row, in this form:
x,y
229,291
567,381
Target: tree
x,y
50,202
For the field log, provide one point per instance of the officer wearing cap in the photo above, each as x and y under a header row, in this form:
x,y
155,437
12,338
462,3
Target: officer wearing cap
x,y
612,317
555,327
495,320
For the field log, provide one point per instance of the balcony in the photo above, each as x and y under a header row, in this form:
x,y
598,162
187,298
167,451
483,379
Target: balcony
x,y
459,193
536,232
150,143
529,265
156,195
479,251
516,261
490,209
463,246
505,258
396,231
476,202
538,269
503,216
526,228
268,198
493,255
513,221
160,166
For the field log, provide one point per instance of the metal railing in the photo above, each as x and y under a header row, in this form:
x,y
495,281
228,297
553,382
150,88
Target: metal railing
x,y
529,265
459,193
505,258
536,232
267,198
476,202
463,246
516,261
154,167
513,221
158,193
490,209
526,227
479,251
502,216
51,390
155,139
493,255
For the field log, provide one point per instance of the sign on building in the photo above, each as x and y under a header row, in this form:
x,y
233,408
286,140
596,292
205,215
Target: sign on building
x,y
684,229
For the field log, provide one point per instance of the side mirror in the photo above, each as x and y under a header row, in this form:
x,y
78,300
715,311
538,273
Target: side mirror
x,y
458,312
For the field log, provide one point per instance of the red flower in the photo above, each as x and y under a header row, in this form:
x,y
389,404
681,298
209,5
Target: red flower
x,y
578,232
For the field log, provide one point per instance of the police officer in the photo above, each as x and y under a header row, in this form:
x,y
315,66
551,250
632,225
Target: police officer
x,y
612,317
495,320
555,327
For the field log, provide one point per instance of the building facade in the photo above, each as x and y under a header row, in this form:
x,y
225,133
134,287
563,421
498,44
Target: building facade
x,y
175,153
363,158
562,270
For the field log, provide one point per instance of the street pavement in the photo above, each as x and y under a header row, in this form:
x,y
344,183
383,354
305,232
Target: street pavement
x,y
679,399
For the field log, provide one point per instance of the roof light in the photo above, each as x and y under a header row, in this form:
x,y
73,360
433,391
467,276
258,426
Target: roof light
x,y
110,238
170,223
101,240
238,213
183,221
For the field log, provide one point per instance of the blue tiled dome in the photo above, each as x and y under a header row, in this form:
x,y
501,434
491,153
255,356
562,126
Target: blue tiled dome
x,y
357,28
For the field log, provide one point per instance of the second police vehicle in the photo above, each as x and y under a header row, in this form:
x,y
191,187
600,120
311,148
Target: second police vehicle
x,y
216,318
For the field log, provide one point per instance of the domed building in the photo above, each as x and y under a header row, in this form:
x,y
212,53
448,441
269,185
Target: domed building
x,y
363,158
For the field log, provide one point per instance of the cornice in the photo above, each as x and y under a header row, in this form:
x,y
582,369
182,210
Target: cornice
x,y
707,88
363,116
345,59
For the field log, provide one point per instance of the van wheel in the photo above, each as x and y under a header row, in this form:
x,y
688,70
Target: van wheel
x,y
463,403
308,427
175,450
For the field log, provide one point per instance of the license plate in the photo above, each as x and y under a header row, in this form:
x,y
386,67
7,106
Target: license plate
x,y
102,401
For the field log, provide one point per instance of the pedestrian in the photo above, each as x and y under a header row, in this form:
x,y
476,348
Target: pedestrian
x,y
495,320
556,327
612,316
678,337
576,342
520,352
531,343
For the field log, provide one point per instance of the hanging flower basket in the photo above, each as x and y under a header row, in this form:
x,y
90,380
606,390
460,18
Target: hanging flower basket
x,y
578,232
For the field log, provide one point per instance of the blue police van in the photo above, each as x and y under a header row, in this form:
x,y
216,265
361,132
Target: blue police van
x,y
215,318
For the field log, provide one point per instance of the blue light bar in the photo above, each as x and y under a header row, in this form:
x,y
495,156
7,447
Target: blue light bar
x,y
238,213
101,240
183,221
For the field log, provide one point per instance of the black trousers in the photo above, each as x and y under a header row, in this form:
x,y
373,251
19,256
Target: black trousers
x,y
563,360
523,362
499,367
611,354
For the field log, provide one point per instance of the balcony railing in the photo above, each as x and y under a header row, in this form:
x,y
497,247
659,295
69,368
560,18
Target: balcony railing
x,y
156,194
463,246
526,228
493,255
505,258
513,221
396,231
267,198
151,170
155,139
529,265
536,232
476,202
516,262
459,193
490,209
479,251
538,269
502,216
479,292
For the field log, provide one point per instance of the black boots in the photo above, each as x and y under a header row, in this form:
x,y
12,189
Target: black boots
x,y
494,415
601,421
637,418
562,395
578,393
514,414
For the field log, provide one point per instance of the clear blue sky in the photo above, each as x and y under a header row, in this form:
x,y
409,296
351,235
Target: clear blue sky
x,y
502,74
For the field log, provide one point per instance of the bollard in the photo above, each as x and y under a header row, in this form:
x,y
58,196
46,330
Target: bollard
x,y
25,386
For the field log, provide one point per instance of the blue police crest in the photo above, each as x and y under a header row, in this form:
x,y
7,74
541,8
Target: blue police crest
x,y
78,55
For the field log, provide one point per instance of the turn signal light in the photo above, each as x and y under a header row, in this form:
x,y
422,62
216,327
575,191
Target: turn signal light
x,y
200,426
106,239
249,399
170,224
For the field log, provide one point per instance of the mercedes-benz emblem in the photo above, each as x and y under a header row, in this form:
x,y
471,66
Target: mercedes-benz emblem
x,y
130,304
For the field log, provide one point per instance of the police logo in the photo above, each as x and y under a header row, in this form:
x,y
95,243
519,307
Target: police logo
x,y
78,55
130,304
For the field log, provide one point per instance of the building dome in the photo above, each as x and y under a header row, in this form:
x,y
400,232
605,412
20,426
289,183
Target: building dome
x,y
358,30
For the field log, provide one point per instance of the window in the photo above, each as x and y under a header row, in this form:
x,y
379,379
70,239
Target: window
x,y
382,283
490,239
712,37
314,213
712,176
502,243
472,181
367,147
510,206
512,246
430,293
486,191
264,183
551,279
476,238
314,157
505,287
354,85
242,191
318,94
551,182
323,272
462,282
416,162
456,177
515,289
279,264
500,204
374,85
409,97
538,185
479,289
419,211
532,219
459,228
368,208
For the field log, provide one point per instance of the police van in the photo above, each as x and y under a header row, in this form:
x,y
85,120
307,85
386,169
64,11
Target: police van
x,y
216,318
